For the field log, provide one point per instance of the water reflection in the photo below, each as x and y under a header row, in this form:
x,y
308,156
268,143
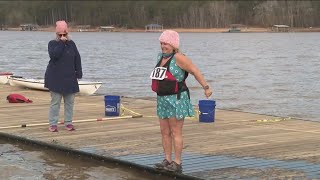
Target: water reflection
x,y
20,161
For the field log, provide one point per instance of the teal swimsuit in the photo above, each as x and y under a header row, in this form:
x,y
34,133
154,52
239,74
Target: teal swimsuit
x,y
169,106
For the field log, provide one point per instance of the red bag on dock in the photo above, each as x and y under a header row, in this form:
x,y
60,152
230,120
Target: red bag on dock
x,y
18,98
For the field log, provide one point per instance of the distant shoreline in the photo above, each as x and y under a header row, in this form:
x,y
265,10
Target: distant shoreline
x,y
209,30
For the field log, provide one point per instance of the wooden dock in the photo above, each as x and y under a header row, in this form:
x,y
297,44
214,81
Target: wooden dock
x,y
237,145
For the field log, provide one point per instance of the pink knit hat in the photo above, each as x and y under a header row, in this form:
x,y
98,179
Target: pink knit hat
x,y
61,27
171,37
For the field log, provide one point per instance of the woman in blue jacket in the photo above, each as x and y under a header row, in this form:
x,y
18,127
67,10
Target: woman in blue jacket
x,y
61,77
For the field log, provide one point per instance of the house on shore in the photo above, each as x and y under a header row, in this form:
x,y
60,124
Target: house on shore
x,y
153,28
83,28
236,28
29,27
280,28
3,27
107,28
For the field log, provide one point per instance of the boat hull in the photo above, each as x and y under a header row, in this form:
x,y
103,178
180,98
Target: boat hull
x,y
4,78
85,87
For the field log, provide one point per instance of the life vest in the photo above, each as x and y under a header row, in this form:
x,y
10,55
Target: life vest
x,y
18,98
164,83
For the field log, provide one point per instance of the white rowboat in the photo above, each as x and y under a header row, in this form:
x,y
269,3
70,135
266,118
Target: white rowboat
x,y
4,77
86,87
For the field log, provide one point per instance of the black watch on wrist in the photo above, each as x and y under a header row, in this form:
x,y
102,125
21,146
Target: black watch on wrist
x,y
206,87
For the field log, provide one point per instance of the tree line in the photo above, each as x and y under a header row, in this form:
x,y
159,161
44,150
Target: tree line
x,y
170,14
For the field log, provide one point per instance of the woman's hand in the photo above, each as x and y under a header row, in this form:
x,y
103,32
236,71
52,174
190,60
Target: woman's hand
x,y
63,38
208,92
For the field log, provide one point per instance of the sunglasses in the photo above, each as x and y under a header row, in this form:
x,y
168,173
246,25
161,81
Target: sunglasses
x,y
60,35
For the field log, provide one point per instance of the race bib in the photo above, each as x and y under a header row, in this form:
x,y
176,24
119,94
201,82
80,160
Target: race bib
x,y
159,73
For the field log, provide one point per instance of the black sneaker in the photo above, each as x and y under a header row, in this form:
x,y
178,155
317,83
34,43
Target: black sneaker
x,y
162,165
174,167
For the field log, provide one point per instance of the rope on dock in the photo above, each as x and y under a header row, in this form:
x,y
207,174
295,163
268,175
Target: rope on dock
x,y
272,120
124,110
135,114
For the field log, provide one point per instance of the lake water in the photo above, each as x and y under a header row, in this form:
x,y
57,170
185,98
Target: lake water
x,y
28,162
268,73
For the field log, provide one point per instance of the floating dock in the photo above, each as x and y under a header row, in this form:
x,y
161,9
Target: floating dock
x,y
238,145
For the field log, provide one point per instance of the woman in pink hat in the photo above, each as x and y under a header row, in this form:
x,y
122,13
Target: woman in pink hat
x,y
61,77
173,97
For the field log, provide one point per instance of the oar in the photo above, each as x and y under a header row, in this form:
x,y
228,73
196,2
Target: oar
x,y
76,121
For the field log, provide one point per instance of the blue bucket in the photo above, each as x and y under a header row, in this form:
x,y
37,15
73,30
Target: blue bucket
x,y
112,105
207,110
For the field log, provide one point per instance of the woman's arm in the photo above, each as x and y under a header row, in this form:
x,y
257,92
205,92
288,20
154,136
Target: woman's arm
x,y
186,64
77,62
55,49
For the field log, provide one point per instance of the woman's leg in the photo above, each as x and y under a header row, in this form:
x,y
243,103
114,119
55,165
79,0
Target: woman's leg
x,y
166,138
176,130
68,108
54,108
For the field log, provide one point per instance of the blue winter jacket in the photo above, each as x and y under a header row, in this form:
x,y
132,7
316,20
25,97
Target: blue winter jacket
x,y
64,67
